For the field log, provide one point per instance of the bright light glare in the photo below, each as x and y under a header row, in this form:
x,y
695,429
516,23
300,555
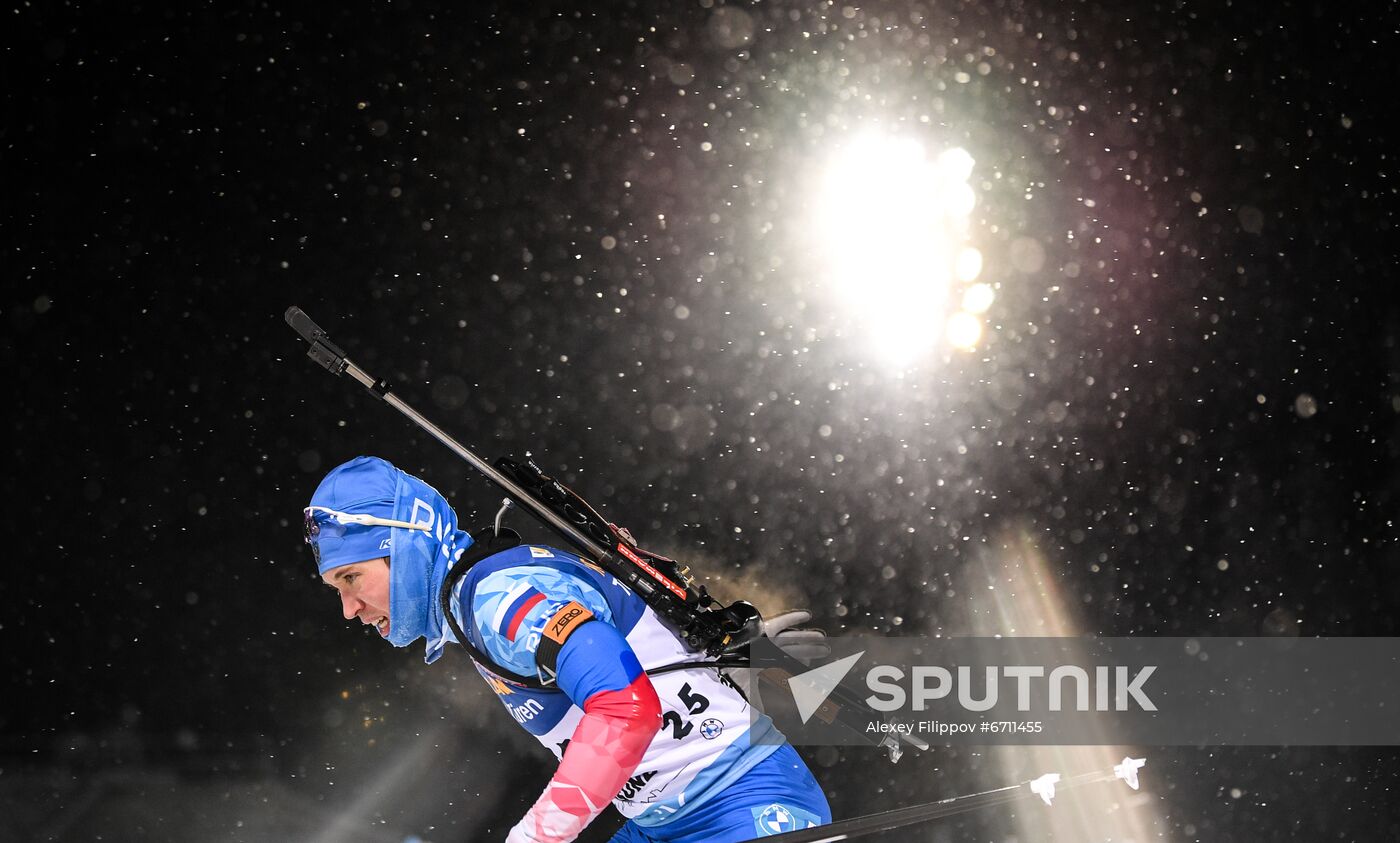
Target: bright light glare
x,y
1029,600
891,226
956,163
969,264
978,298
964,330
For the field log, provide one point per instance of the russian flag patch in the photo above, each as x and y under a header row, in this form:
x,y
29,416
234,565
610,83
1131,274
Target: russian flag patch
x,y
515,607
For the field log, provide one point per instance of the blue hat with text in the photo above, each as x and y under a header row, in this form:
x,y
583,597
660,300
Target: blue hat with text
x,y
364,485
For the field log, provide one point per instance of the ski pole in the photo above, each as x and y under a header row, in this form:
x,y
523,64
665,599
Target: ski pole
x,y
1043,787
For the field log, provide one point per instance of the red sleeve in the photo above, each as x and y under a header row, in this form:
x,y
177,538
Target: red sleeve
x,y
606,747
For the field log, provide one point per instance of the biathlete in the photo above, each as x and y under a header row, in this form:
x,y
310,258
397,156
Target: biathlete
x,y
567,649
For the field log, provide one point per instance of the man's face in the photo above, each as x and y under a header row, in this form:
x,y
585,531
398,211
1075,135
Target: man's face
x,y
364,592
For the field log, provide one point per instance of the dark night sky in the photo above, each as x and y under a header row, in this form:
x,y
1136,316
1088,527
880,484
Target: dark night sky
x,y
577,231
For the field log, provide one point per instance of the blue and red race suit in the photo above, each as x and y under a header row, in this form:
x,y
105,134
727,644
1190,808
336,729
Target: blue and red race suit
x,y
680,754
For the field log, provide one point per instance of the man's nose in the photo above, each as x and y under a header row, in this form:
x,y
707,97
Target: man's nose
x,y
350,606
